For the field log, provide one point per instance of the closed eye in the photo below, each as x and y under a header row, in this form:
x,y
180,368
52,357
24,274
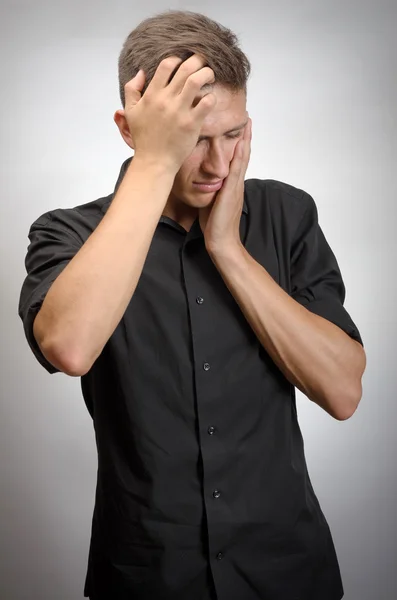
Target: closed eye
x,y
229,136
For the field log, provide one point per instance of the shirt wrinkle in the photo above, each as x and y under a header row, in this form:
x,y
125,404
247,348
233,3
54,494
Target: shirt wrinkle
x,y
202,484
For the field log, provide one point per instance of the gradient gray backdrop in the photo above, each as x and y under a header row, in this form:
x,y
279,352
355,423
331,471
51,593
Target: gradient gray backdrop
x,y
323,98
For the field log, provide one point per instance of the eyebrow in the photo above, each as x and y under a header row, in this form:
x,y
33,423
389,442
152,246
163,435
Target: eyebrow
x,y
205,137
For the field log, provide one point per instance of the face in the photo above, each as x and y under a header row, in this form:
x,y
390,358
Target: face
x,y
211,158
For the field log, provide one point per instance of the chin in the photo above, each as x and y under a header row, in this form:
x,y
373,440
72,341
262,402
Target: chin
x,y
203,195
205,201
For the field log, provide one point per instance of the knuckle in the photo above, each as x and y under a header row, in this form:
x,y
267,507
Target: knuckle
x,y
161,105
129,88
186,123
168,62
208,99
202,77
193,81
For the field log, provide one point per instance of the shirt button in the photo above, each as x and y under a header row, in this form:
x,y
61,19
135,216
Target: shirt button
x,y
216,493
219,556
199,300
211,430
206,366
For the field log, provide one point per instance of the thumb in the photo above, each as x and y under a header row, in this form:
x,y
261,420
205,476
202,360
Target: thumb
x,y
133,88
139,80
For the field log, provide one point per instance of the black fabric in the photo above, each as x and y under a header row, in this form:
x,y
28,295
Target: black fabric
x,y
201,468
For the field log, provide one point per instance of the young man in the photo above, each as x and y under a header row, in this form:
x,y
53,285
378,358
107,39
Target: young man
x,y
191,303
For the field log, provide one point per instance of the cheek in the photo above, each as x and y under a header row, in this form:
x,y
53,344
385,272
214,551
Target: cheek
x,y
186,174
191,166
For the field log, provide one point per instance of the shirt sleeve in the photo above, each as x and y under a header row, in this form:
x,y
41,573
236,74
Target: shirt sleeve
x,y
316,280
52,246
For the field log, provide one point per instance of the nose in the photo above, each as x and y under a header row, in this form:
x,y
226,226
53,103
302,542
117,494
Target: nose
x,y
216,163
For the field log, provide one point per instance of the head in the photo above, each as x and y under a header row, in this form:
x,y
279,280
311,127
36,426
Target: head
x,y
184,33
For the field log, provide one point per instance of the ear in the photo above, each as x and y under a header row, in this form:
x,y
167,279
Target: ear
x,y
121,122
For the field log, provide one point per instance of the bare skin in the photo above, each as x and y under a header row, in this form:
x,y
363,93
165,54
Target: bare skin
x,y
210,159
88,298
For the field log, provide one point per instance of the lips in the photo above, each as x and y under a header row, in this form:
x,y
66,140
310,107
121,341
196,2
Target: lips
x,y
208,187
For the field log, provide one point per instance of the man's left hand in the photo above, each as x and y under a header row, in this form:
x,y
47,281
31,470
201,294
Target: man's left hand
x,y
220,221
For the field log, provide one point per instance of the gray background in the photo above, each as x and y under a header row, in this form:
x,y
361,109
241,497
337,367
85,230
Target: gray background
x,y
322,97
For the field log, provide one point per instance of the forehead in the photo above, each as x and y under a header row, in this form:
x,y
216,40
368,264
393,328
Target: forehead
x,y
230,111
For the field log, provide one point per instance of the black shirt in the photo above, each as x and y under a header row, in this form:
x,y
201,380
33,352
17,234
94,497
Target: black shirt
x,y
201,468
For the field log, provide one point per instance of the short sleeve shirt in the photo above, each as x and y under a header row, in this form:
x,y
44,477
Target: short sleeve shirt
x,y
201,464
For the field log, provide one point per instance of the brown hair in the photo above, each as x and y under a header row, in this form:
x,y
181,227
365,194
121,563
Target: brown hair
x,y
183,33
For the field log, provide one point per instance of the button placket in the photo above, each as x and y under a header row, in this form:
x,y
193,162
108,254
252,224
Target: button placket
x,y
211,429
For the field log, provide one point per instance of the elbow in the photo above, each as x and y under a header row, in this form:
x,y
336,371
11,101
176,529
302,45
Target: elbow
x,y
347,402
63,360
348,405
71,364
58,352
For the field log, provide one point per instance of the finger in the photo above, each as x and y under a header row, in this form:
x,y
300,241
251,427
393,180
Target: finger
x,y
235,166
247,144
164,72
191,65
245,152
241,150
204,106
193,91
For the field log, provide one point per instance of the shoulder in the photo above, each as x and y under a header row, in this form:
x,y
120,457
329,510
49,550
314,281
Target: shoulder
x,y
78,222
276,187
276,191
279,198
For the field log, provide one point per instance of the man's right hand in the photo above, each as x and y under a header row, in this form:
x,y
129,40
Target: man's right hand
x,y
165,122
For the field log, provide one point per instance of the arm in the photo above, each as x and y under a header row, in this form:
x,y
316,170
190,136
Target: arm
x,y
315,355
87,300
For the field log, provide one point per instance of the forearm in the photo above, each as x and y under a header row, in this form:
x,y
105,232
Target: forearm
x,y
314,354
88,299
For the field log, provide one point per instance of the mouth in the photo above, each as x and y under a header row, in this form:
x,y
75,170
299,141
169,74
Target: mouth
x,y
208,187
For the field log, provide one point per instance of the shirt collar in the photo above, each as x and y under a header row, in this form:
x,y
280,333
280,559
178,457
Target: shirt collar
x,y
124,168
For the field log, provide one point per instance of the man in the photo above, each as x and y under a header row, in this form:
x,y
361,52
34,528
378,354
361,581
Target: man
x,y
191,303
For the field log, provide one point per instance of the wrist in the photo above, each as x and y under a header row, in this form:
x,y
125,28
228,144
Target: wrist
x,y
153,165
